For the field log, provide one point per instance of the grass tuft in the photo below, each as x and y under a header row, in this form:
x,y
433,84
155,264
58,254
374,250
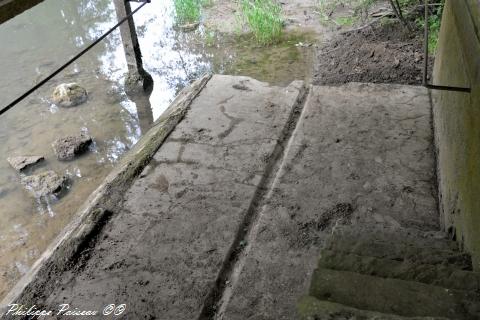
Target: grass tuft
x,y
264,18
190,11
187,11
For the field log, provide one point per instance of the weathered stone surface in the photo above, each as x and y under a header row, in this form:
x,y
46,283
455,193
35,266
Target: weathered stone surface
x,y
358,150
369,230
310,308
229,179
396,244
67,148
22,162
44,184
69,95
442,275
368,239
405,298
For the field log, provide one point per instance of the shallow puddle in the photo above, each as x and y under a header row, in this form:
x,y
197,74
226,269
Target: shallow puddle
x,y
38,41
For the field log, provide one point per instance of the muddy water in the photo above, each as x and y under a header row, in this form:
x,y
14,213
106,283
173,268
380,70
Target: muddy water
x,y
37,42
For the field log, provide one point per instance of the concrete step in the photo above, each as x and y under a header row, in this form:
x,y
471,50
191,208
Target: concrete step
x,y
398,244
438,275
310,308
410,236
392,296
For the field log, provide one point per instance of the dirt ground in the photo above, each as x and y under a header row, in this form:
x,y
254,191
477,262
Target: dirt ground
x,y
378,54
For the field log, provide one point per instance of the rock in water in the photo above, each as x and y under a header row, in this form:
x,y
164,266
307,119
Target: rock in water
x,y
69,95
22,162
68,147
188,27
44,184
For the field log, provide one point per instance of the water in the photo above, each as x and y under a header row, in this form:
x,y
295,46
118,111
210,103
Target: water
x,y
37,42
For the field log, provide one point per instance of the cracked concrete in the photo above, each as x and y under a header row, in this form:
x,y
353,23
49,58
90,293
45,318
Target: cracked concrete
x,y
227,219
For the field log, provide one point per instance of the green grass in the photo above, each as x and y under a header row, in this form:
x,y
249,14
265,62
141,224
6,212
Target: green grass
x,y
187,11
190,11
264,18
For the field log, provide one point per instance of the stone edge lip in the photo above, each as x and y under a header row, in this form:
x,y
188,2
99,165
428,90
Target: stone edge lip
x,y
98,206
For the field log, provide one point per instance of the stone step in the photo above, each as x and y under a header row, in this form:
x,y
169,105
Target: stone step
x,y
310,308
431,239
397,244
405,298
438,275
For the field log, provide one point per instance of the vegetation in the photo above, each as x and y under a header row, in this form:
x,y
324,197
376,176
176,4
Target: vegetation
x,y
264,18
189,11
434,21
410,10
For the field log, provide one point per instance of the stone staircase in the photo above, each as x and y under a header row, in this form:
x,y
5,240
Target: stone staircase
x,y
377,272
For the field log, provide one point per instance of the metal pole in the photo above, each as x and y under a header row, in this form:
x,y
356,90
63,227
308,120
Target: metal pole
x,y
425,46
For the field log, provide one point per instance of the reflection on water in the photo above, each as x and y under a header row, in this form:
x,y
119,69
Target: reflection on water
x,y
37,42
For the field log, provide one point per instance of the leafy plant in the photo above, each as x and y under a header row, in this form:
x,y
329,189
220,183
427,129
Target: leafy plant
x,y
264,18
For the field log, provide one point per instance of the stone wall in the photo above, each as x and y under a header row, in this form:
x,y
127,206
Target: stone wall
x,y
457,123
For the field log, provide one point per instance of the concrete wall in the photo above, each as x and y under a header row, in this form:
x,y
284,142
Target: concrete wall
x,y
457,123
